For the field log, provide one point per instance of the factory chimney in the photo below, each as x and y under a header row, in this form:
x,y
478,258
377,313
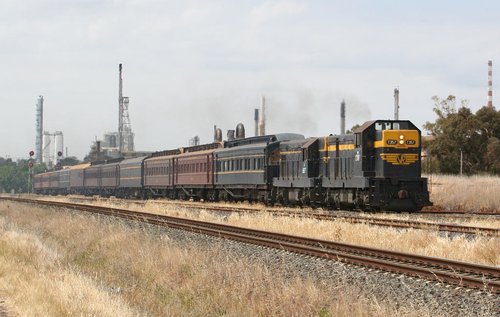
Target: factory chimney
x,y
120,109
262,121
490,84
256,119
342,117
39,130
396,103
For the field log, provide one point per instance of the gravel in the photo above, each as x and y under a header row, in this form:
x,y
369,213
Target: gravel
x,y
396,289
399,291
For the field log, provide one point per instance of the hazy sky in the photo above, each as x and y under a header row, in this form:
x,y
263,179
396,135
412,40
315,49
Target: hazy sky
x,y
191,64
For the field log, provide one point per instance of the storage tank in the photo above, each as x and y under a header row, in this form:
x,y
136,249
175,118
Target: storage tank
x,y
110,139
218,135
58,146
46,148
240,131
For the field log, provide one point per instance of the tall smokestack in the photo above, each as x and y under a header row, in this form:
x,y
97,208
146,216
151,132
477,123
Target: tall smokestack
x,y
262,122
490,84
396,104
120,109
342,117
39,130
256,119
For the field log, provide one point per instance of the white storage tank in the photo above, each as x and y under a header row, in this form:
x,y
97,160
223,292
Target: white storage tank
x,y
58,146
47,148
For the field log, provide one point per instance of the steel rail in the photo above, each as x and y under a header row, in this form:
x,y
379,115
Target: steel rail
x,y
449,271
395,223
355,219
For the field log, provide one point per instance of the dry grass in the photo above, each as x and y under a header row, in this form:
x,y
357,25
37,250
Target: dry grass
x,y
425,242
465,193
59,264
35,284
432,243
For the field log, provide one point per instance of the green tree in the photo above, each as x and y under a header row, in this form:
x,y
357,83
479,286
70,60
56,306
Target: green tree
x,y
15,175
69,161
489,125
461,131
354,128
492,155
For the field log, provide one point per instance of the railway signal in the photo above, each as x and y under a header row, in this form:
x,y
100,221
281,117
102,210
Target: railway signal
x,y
30,171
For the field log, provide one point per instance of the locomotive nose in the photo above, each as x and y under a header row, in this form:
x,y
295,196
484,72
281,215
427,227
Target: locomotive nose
x,y
402,194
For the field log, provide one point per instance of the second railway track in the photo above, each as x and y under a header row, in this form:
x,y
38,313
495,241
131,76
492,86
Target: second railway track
x,y
486,278
332,216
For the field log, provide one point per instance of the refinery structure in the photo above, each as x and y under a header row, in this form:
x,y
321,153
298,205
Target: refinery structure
x,y
53,148
39,130
125,134
120,143
49,147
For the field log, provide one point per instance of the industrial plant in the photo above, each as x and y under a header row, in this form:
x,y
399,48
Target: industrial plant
x,y
49,147
120,143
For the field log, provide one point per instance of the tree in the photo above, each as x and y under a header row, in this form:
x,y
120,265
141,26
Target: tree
x,y
15,175
489,125
459,132
492,155
69,161
354,128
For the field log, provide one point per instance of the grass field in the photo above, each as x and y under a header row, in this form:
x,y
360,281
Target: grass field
x,y
425,242
465,193
62,264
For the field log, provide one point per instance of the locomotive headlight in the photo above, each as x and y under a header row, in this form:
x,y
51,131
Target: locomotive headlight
x,y
401,137
401,142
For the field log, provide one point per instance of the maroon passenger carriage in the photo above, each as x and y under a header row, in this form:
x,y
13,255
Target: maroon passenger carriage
x,y
182,173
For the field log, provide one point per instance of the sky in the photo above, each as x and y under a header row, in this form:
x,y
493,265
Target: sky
x,y
190,65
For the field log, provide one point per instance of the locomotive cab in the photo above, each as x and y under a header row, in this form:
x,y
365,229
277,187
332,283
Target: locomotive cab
x,y
391,162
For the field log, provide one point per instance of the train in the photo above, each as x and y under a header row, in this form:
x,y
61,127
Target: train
x,y
377,167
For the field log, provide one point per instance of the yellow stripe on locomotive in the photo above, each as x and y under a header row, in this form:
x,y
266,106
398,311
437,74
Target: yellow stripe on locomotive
x,y
399,159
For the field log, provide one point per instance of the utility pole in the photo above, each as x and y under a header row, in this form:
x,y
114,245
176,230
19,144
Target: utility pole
x,y
396,103
461,161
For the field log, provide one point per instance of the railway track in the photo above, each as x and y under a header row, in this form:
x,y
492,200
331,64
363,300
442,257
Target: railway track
x,y
355,219
395,223
444,212
350,218
463,274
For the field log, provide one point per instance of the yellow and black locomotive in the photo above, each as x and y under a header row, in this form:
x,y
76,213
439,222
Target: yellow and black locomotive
x,y
376,167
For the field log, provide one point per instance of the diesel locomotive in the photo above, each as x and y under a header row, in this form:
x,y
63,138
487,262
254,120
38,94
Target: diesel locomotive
x,y
377,167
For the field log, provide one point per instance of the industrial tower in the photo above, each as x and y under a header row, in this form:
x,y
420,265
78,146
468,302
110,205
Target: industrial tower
x,y
39,130
125,135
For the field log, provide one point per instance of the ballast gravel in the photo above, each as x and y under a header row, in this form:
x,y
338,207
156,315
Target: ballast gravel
x,y
398,290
